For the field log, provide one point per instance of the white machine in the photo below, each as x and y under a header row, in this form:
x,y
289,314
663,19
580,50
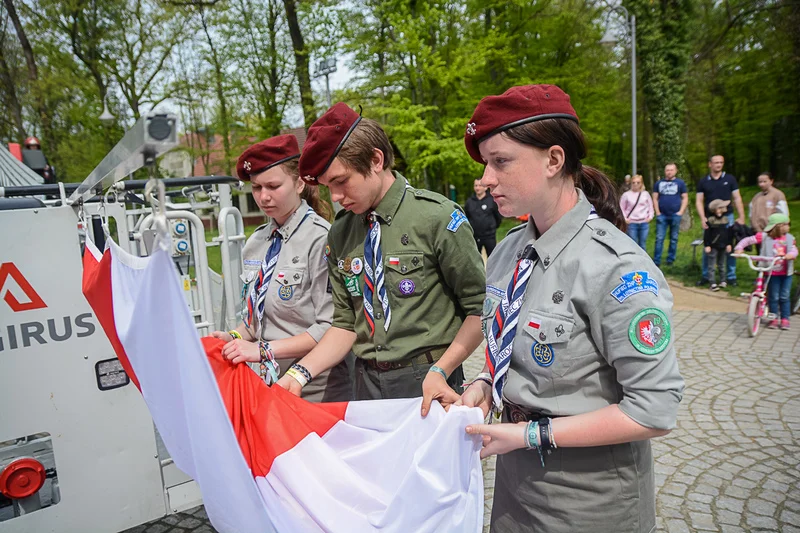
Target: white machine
x,y
78,449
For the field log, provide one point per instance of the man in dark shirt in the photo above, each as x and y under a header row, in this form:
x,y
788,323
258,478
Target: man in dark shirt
x,y
670,198
483,216
718,185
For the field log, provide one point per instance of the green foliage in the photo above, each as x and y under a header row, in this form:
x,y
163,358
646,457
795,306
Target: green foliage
x,y
714,77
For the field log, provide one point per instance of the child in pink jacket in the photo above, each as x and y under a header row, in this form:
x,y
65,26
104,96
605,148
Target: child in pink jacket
x,y
776,240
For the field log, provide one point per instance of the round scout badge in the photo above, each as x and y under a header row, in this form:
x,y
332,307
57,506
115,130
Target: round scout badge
x,y
542,354
407,287
357,265
286,292
649,331
348,263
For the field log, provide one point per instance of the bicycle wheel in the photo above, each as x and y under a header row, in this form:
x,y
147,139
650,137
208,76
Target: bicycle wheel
x,y
754,311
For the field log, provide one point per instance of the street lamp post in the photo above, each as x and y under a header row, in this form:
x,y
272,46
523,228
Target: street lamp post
x,y
326,67
630,23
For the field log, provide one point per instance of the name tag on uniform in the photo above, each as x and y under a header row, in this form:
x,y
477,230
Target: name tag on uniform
x,y
252,262
352,285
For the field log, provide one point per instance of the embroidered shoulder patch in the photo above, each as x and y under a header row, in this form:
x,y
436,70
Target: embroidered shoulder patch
x,y
456,219
634,283
649,331
491,289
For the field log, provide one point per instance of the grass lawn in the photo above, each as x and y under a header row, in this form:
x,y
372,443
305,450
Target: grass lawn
x,y
684,270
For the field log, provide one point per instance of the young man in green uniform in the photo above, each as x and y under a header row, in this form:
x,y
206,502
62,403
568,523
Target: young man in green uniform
x,y
406,278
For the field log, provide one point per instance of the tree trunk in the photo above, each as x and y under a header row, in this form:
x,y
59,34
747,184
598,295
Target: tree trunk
x,y
33,77
301,62
13,101
223,107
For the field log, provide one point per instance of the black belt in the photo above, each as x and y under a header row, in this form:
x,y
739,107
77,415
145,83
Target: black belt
x,y
426,357
515,413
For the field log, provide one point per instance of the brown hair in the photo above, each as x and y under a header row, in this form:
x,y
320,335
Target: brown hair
x,y
598,188
775,232
358,148
309,194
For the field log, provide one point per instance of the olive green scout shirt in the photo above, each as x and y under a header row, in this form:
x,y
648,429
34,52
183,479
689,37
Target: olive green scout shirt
x,y
595,326
428,250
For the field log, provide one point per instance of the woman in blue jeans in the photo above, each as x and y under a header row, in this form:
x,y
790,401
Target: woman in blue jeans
x,y
637,206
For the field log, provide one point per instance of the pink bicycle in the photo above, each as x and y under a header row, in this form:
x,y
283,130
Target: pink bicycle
x,y
758,298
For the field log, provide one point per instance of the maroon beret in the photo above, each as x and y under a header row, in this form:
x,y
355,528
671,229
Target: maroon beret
x,y
516,106
265,155
325,138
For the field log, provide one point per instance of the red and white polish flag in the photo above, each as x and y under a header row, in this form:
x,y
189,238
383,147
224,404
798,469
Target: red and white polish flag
x,y
264,459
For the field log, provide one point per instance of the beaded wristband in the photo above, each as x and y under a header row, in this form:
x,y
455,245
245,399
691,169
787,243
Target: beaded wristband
x,y
303,370
438,370
267,363
297,376
235,334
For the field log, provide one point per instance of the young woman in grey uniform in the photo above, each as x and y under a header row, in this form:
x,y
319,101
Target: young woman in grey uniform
x,y
580,357
287,300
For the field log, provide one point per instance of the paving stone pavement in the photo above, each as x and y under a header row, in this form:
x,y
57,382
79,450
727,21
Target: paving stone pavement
x,y
733,463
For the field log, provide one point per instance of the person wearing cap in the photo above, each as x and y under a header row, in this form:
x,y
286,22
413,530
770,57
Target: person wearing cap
x,y
32,143
776,240
719,185
286,296
580,349
717,240
406,277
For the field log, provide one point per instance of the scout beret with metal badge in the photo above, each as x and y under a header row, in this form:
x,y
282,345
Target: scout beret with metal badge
x,y
265,155
325,138
516,106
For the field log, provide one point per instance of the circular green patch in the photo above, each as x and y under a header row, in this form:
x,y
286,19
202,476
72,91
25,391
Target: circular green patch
x,y
649,331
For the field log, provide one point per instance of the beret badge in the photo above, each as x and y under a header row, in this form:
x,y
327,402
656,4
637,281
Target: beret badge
x,y
472,128
247,166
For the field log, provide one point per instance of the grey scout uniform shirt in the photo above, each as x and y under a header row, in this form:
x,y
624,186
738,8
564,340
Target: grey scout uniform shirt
x,y
583,331
442,264
298,301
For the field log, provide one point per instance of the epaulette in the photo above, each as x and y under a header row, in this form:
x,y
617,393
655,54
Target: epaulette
x,y
607,234
516,229
321,222
429,195
262,226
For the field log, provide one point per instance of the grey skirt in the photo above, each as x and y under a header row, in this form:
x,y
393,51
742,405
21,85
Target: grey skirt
x,y
605,489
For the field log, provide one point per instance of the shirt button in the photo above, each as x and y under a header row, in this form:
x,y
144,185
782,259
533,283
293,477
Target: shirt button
x,y
379,347
379,315
547,261
601,232
388,219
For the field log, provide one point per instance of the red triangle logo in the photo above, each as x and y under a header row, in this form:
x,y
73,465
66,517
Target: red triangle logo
x,y
10,270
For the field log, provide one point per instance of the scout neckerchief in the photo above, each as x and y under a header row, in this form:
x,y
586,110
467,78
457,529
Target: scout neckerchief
x,y
258,292
373,275
373,271
500,344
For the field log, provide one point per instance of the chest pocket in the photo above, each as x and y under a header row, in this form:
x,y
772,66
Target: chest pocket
x,y
289,284
405,275
549,334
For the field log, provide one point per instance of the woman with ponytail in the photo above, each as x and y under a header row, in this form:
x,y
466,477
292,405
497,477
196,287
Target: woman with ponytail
x,y
580,357
286,298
